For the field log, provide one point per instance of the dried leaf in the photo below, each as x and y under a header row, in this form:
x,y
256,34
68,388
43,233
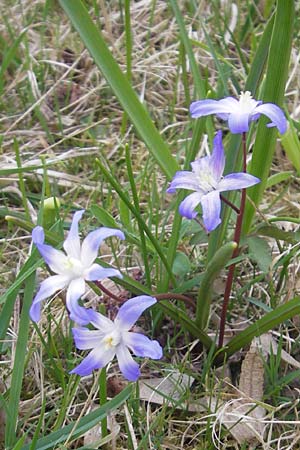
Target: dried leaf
x,y
93,437
168,390
242,416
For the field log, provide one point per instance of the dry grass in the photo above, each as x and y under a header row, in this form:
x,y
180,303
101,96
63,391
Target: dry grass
x,y
59,109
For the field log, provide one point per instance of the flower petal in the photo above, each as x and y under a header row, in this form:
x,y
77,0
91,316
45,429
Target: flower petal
x,y
103,323
96,359
187,206
55,259
206,107
72,243
183,180
47,288
239,180
91,243
38,235
96,272
141,345
79,314
131,310
275,114
238,122
129,368
217,160
211,210
86,339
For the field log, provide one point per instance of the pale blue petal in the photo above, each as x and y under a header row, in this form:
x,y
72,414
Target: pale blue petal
x,y
96,272
239,180
38,235
201,165
183,180
217,160
131,310
102,322
47,288
211,210
129,368
96,359
79,314
91,243
72,243
55,259
86,339
188,205
275,114
206,107
238,122
141,345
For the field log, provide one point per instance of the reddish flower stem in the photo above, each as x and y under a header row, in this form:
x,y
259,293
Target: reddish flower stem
x,y
164,296
229,203
236,238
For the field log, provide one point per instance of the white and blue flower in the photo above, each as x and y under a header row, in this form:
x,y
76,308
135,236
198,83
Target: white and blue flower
x,y
207,181
73,268
113,338
240,113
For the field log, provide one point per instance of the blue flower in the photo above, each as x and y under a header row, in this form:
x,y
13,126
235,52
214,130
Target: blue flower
x,y
239,113
72,268
114,338
207,180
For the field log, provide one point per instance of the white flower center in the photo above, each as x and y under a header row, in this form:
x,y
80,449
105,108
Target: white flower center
x,y
74,267
112,339
246,102
207,182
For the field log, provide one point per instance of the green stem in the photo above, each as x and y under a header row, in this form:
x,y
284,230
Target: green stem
x,y
103,400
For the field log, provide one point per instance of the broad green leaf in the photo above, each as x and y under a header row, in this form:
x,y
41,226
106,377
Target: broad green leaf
x,y
260,252
181,265
274,87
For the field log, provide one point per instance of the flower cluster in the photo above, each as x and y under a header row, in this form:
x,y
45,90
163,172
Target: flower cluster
x,y
72,269
206,178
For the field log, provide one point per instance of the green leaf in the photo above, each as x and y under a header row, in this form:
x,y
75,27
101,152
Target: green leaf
x,y
259,251
272,231
291,145
269,322
278,178
274,87
181,265
19,364
94,42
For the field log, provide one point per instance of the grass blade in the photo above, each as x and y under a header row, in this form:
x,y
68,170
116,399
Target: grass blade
x,y
19,364
119,83
269,322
